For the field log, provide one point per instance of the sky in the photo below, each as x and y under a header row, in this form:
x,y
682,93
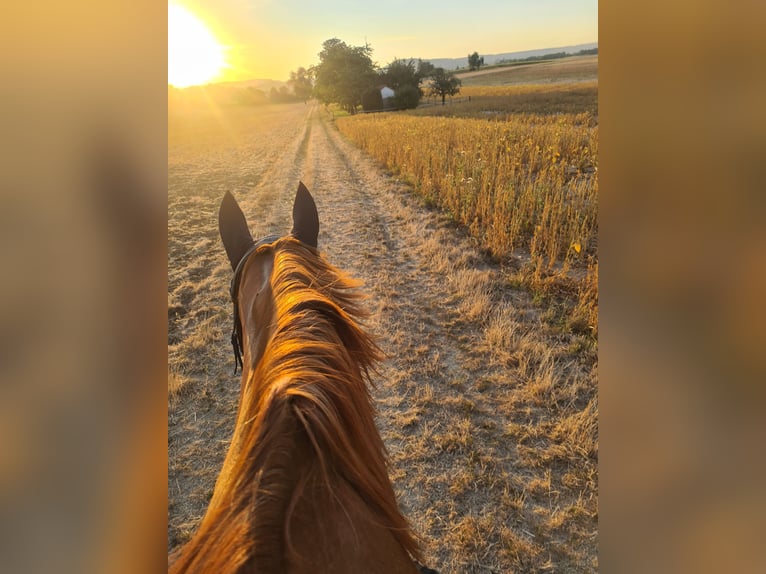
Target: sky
x,y
269,38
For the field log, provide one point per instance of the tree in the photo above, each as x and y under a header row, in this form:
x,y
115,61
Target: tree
x,y
343,74
444,84
401,73
372,100
475,61
301,84
407,97
403,77
425,69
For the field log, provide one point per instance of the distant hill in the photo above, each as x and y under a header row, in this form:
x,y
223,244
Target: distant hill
x,y
446,63
489,59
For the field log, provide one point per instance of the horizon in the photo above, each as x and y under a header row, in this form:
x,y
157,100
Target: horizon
x,y
245,80
262,39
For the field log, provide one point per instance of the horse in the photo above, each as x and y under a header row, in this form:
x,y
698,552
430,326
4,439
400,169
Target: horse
x,y
304,486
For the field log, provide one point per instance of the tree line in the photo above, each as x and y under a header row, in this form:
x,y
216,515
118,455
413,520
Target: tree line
x,y
347,76
553,56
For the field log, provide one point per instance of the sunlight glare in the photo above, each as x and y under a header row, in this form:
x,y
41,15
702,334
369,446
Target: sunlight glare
x,y
194,54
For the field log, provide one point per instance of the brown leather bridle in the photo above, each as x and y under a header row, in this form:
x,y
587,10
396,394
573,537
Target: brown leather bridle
x,y
236,333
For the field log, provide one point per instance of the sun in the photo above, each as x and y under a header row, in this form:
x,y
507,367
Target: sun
x,y
194,55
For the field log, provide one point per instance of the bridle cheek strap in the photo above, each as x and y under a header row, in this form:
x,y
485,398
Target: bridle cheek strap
x,y
236,333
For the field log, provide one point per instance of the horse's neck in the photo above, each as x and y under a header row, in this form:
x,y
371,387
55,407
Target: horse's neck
x,y
308,519
293,516
336,532
243,528
280,474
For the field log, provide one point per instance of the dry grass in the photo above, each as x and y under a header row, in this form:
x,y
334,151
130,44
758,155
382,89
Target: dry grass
x,y
501,335
578,431
473,289
525,185
518,168
502,102
512,425
573,69
488,408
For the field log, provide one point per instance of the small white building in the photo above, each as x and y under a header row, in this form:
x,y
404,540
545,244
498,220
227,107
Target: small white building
x,y
386,92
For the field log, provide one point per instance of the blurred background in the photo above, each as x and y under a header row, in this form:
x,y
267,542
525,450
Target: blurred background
x,y
683,253
83,287
82,281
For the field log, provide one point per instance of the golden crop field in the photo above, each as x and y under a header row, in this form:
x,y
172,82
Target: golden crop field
x,y
523,184
508,102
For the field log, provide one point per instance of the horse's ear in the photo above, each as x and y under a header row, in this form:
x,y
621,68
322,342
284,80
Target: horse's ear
x,y
233,228
305,217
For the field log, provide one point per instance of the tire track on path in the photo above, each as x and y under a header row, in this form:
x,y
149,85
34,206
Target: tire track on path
x,y
373,230
261,169
272,197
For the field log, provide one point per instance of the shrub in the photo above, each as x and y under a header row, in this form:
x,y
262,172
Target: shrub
x,y
407,98
372,100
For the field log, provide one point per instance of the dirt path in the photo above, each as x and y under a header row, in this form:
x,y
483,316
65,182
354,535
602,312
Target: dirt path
x,y
476,397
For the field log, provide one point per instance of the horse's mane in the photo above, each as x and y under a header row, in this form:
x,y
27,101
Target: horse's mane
x,y
311,381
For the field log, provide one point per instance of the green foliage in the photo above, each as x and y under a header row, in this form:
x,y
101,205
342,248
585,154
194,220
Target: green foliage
x,y
400,73
343,74
425,69
552,56
475,61
403,76
544,57
407,97
444,84
372,100
301,84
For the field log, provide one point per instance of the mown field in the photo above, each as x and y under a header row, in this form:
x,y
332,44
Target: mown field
x,y
572,69
518,167
507,102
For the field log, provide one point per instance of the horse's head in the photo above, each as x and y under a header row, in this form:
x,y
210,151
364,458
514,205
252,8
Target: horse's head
x,y
304,486
253,263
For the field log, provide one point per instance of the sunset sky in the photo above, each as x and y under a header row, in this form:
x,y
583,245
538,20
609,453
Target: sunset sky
x,y
269,38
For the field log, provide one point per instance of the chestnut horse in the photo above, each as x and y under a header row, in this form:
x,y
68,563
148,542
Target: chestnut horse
x,y
304,487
